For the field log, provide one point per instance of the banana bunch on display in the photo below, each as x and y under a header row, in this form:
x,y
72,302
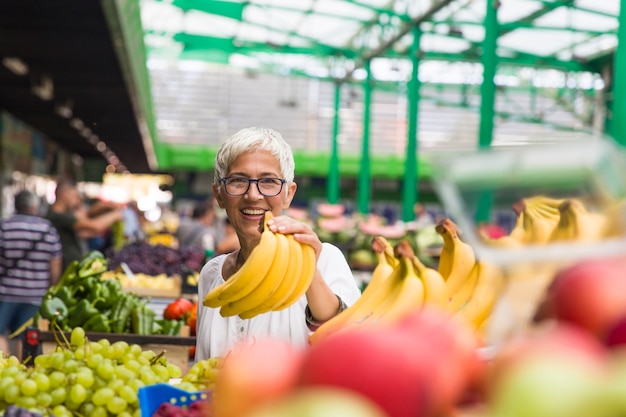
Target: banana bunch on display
x,y
277,273
400,284
576,223
472,286
537,217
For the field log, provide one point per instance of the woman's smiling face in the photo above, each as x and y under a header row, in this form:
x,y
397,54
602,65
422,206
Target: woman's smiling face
x,y
246,212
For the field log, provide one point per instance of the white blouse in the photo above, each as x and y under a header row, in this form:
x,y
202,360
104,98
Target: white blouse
x,y
216,335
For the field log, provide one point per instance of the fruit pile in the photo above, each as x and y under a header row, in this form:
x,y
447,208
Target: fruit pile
x,y
258,286
462,285
142,257
83,377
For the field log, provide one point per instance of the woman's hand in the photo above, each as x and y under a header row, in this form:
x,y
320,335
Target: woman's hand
x,y
302,231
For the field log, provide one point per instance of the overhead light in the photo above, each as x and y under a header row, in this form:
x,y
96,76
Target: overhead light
x,y
94,139
76,123
15,65
85,132
43,87
101,146
65,110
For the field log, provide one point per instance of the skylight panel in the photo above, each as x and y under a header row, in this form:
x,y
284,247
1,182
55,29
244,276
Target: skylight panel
x,y
582,20
539,42
342,8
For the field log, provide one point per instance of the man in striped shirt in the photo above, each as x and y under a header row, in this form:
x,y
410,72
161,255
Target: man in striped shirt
x,y
30,262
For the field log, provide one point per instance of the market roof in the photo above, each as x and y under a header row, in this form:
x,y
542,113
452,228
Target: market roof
x,y
92,53
333,38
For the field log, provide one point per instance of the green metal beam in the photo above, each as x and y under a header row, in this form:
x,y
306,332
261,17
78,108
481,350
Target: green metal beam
x,y
618,110
333,183
200,158
488,87
402,31
409,184
364,180
228,9
488,98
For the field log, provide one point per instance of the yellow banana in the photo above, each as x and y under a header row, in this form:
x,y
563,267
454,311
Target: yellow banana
x,y
309,266
287,284
539,222
268,285
434,284
457,257
250,274
373,295
488,288
407,295
578,224
464,293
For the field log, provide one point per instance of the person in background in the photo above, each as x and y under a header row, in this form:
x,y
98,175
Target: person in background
x,y
254,171
193,231
75,223
422,218
30,262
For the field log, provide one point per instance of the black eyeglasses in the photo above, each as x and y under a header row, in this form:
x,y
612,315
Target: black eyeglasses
x,y
268,187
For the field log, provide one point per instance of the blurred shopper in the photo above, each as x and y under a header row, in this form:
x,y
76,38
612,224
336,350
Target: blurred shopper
x,y
75,223
422,218
30,262
196,230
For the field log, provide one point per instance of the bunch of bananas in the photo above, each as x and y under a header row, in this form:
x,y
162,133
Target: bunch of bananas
x,y
542,219
400,284
277,273
472,286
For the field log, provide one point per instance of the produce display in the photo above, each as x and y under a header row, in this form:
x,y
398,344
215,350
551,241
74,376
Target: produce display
x,y
462,285
83,299
83,377
413,345
142,257
258,286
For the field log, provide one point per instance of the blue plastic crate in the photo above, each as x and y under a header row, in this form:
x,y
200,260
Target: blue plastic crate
x,y
152,396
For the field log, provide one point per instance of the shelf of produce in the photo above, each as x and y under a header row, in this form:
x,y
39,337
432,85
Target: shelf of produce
x,y
175,348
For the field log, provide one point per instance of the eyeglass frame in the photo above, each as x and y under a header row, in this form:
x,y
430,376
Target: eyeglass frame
x,y
250,181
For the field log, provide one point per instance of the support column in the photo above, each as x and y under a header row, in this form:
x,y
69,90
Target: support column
x,y
488,97
333,180
410,186
364,182
618,111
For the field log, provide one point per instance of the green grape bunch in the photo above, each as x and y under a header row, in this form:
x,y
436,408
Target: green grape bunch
x,y
84,378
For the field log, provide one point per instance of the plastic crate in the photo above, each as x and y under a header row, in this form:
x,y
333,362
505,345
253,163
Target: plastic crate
x,y
152,396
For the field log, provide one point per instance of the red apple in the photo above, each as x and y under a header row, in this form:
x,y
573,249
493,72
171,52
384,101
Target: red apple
x,y
590,294
379,364
254,374
453,365
616,334
420,366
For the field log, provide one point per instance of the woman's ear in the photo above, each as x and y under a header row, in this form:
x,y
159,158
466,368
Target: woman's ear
x,y
291,192
218,197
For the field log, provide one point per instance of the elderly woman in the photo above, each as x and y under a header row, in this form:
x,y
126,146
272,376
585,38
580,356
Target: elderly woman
x,y
254,171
